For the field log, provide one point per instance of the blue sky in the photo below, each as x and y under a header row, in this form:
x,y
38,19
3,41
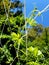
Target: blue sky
x,y
40,4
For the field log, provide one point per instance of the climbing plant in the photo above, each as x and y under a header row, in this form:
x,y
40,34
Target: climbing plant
x,y
13,36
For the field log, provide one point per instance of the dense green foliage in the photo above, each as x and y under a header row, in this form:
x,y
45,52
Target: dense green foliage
x,y
13,38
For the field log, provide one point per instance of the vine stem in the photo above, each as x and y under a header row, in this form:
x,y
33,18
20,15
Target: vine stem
x,y
40,12
5,21
25,26
7,15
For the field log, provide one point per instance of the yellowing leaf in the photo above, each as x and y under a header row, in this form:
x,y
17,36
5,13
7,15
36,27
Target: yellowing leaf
x,y
15,36
30,49
35,51
39,13
39,52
